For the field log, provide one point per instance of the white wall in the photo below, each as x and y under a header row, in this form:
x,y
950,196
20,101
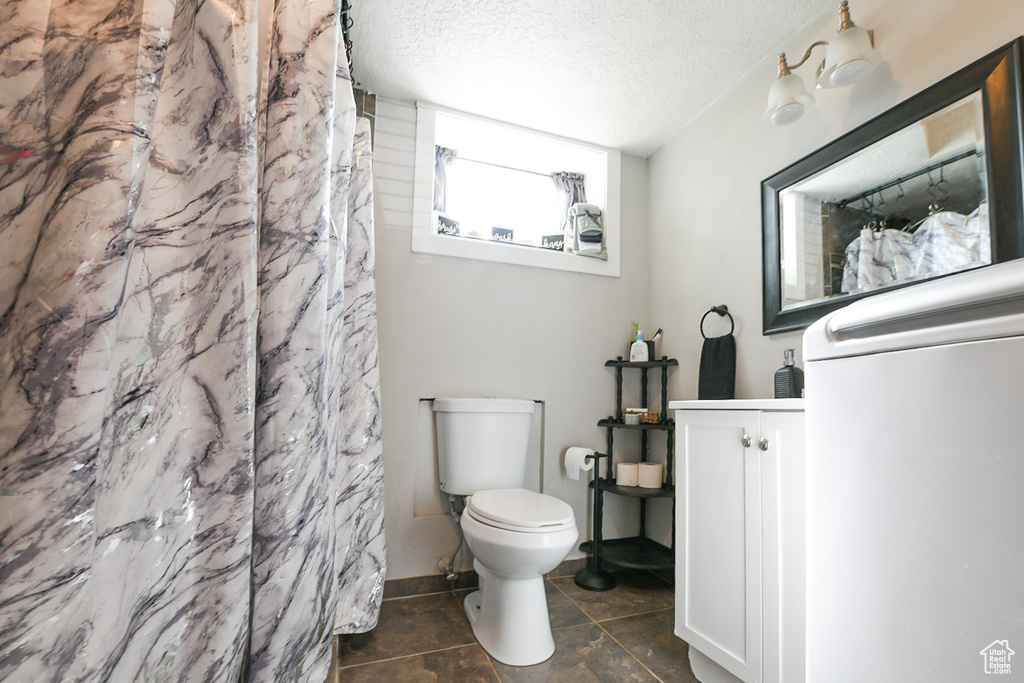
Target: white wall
x,y
704,231
457,327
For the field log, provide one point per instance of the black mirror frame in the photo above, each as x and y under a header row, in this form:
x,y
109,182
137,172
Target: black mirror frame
x,y
998,77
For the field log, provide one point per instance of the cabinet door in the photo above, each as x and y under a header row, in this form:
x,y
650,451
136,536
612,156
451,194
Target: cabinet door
x,y
782,546
718,522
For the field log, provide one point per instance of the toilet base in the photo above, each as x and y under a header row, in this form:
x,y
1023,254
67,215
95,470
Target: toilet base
x,y
510,618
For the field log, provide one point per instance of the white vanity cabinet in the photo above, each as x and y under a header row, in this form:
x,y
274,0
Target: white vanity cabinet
x,y
740,538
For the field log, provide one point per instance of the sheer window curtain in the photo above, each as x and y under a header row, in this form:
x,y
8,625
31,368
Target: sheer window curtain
x,y
570,191
443,159
189,409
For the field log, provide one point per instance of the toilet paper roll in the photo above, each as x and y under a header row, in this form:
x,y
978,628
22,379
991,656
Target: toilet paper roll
x,y
576,461
650,475
626,473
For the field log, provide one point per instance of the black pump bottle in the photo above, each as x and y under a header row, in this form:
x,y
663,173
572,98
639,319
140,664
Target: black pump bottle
x,y
789,379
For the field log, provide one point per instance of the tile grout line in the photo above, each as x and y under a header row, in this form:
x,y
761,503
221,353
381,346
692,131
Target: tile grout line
x,y
574,603
597,623
427,595
490,662
413,654
571,602
637,614
595,619
628,651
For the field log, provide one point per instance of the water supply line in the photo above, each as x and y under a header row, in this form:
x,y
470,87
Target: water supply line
x,y
447,564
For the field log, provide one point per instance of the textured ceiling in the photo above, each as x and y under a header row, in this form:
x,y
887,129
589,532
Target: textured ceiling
x,y
625,75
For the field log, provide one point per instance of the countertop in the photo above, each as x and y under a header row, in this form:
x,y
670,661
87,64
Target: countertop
x,y
793,404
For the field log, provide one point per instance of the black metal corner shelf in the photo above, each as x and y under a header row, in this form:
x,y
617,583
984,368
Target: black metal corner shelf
x,y
609,486
638,552
663,363
619,424
635,553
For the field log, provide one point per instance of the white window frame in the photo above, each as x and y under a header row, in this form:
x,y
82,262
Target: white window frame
x,y
426,240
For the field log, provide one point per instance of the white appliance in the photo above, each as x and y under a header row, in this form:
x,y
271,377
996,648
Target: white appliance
x,y
915,483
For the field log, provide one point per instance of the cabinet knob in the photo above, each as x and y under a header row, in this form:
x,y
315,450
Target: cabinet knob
x,y
746,440
763,444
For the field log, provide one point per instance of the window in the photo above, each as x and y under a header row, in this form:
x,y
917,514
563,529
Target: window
x,y
500,202
478,198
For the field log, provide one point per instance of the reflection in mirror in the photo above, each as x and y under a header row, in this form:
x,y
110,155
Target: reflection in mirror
x,y
909,207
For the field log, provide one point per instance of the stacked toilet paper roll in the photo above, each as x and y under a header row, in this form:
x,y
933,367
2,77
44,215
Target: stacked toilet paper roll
x,y
577,460
626,473
650,475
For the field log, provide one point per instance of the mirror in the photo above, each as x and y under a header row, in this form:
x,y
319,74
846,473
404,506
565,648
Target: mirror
x,y
929,188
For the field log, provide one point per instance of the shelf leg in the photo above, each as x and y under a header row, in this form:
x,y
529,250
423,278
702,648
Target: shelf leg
x,y
618,394
643,387
594,578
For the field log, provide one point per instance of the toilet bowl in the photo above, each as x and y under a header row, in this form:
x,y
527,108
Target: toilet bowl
x,y
516,536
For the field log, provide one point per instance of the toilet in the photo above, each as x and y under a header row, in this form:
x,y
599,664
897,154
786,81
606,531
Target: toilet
x,y
516,536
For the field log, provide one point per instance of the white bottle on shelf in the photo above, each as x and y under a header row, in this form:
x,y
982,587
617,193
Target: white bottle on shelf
x,y
638,350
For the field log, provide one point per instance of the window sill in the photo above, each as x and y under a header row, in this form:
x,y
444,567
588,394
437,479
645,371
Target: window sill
x,y
515,254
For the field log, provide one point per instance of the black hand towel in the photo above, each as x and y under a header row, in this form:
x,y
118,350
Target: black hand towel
x,y
717,377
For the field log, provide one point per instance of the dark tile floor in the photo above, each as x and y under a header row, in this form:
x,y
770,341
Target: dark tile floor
x,y
624,634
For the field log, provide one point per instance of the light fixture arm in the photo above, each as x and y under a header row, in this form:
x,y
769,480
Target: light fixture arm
x,y
785,69
845,22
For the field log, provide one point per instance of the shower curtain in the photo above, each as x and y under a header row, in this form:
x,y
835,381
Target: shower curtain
x,y
190,458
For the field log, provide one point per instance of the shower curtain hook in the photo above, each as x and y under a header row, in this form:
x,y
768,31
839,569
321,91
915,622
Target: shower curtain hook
x,y
941,183
931,189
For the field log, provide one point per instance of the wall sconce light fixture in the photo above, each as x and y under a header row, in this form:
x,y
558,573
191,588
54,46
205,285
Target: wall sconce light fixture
x,y
849,57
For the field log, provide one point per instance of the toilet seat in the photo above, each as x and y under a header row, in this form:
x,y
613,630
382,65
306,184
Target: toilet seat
x,y
520,510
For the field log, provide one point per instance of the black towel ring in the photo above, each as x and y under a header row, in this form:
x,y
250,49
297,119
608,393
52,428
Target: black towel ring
x,y
720,310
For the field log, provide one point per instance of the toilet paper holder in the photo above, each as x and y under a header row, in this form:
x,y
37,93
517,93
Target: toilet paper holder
x,y
593,577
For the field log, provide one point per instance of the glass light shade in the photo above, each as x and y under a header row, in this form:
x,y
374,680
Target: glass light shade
x,y
787,101
848,58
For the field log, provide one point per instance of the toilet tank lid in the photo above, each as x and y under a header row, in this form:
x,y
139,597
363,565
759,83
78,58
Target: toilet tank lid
x,y
521,508
482,405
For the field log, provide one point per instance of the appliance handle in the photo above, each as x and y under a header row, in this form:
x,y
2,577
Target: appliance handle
x,y
979,304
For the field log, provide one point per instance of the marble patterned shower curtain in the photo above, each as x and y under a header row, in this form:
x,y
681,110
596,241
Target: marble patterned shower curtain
x,y
189,433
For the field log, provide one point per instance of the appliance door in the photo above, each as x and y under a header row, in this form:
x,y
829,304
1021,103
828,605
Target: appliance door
x,y
915,483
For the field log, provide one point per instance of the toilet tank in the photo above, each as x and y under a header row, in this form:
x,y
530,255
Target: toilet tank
x,y
482,443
